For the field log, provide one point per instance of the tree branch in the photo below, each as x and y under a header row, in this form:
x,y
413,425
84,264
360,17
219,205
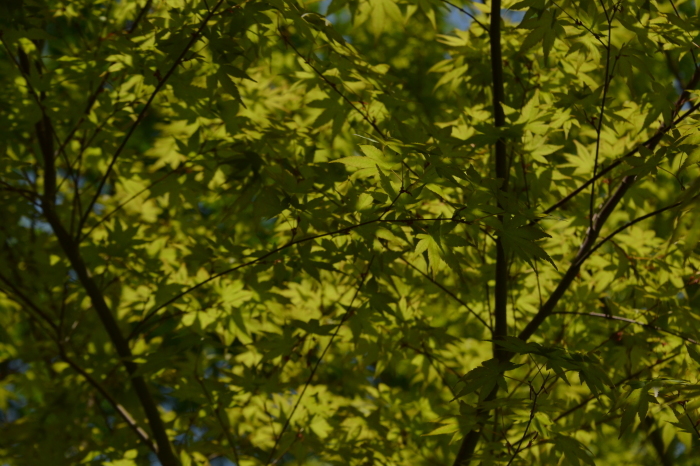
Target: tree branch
x,y
449,293
72,252
630,321
55,337
607,77
142,114
70,248
652,141
345,317
140,433
621,381
466,450
287,245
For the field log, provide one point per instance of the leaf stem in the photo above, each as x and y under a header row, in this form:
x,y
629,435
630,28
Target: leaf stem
x,y
142,114
346,316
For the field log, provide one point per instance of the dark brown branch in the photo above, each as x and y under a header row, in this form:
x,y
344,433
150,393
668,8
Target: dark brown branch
x,y
630,223
652,141
466,450
449,293
587,248
72,252
621,381
501,162
43,317
350,311
289,244
630,321
597,222
142,114
591,235
128,418
70,248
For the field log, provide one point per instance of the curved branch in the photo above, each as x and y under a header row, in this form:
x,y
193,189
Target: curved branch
x,y
652,141
142,114
449,293
140,433
629,321
621,381
345,317
629,224
128,418
287,245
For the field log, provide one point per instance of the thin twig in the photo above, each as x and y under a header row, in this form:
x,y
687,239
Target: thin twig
x,y
449,293
529,421
599,129
580,23
128,418
473,18
350,311
629,224
217,413
265,256
630,321
651,141
629,377
142,114
334,87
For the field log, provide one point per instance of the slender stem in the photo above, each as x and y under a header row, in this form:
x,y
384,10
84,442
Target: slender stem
x,y
518,448
473,18
128,418
344,230
629,224
621,381
346,316
695,427
469,443
55,336
599,129
142,114
131,198
449,293
333,86
630,321
652,141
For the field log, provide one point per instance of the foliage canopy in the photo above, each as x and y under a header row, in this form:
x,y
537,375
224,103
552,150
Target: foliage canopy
x,y
352,232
